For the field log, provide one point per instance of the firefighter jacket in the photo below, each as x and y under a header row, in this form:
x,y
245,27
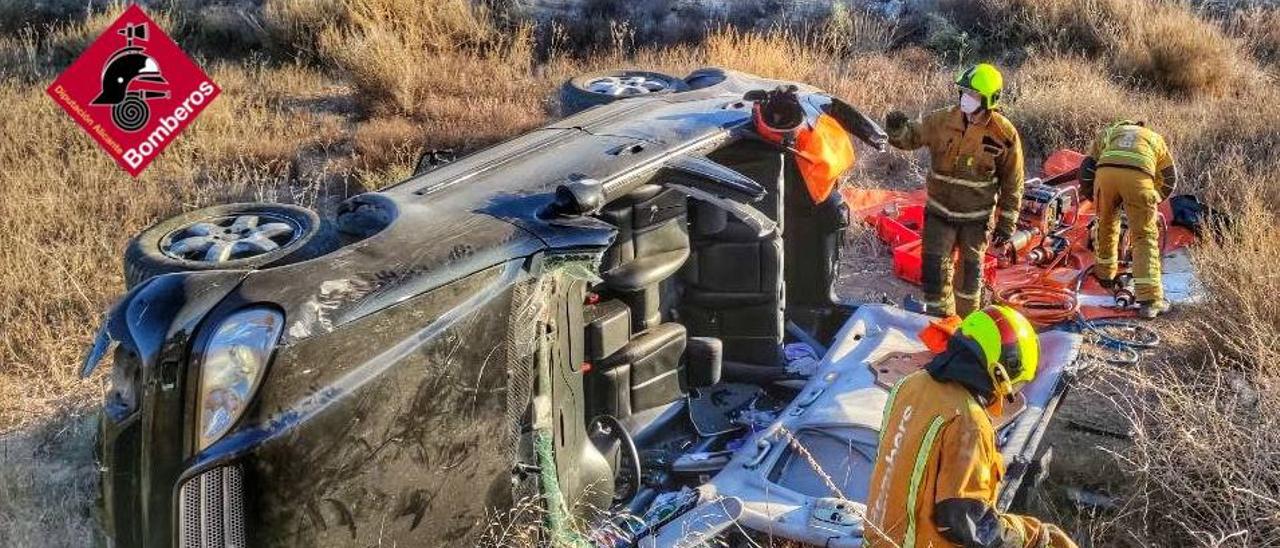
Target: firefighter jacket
x,y
974,168
1131,146
937,444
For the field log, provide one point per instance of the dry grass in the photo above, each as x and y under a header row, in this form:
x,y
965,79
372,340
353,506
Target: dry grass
x,y
47,477
1162,44
1178,53
1259,28
346,93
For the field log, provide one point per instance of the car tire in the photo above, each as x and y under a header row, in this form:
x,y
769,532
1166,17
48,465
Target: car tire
x,y
153,252
599,88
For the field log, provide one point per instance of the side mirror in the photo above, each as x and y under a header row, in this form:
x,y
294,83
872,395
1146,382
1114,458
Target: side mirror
x,y
432,159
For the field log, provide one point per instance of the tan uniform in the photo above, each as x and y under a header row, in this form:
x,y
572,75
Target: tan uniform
x,y
937,454
974,183
1131,165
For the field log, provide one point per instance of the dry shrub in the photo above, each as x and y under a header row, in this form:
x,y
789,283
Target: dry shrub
x,y
294,27
1178,52
1241,317
438,61
387,141
1259,28
1160,44
1203,465
777,54
216,28
1072,26
1062,102
849,31
20,56
42,14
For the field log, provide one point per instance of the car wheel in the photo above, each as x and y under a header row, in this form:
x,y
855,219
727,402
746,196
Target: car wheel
x,y
228,237
599,88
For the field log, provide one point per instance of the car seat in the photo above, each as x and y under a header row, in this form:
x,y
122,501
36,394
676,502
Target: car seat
x,y
636,355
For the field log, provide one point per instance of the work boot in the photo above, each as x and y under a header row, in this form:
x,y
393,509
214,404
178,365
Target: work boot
x,y
1106,283
1150,309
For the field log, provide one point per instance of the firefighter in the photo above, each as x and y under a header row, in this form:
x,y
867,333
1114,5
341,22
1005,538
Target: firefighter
x,y
1129,166
974,185
938,472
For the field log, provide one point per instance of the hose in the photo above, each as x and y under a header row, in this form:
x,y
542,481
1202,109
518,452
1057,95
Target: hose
x,y
1044,303
1050,304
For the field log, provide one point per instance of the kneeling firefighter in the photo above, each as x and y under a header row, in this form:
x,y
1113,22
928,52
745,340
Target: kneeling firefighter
x,y
938,472
974,184
1130,166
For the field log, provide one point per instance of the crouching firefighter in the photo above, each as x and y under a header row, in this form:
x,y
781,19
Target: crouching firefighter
x,y
1129,166
974,184
938,473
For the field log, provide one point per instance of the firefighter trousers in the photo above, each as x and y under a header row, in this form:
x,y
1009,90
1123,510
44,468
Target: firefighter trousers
x,y
942,239
1135,192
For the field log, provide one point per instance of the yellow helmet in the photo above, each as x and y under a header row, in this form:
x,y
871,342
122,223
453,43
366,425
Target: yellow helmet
x,y
986,80
1007,343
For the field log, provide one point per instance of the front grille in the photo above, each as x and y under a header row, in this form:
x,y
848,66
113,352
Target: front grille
x,y
211,514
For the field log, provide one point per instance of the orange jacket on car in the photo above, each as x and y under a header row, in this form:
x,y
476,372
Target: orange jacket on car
x,y
823,151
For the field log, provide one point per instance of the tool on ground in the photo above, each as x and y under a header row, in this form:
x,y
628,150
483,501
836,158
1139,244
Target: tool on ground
x,y
1050,209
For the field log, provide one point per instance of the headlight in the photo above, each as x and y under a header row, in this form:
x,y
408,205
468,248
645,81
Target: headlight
x,y
231,367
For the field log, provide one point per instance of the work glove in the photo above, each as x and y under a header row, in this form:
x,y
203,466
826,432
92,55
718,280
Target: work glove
x,y
895,122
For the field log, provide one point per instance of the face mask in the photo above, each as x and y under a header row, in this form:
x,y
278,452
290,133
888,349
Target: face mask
x,y
969,104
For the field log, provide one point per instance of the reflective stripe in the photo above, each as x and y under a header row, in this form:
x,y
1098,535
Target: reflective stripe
x,y
917,474
969,296
1146,281
888,406
1141,158
1101,261
962,182
1012,215
954,215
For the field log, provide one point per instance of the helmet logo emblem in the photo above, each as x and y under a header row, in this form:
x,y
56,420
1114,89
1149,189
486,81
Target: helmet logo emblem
x,y
125,79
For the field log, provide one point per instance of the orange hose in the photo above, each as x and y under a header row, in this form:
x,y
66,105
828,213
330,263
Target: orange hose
x,y
1044,304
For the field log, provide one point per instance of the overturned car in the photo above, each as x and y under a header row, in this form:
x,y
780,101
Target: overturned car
x,y
624,320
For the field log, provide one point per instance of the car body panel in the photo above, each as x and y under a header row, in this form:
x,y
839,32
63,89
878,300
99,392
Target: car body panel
x,y
349,451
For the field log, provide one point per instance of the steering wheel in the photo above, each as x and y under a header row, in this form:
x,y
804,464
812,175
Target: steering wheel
x,y
606,425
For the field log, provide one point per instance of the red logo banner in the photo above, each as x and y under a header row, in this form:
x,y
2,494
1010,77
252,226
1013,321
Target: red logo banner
x,y
133,90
